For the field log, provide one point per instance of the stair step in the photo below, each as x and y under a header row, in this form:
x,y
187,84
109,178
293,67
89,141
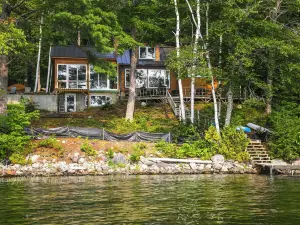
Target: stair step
x,y
258,155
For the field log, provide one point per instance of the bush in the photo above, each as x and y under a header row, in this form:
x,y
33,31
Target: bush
x,y
110,153
285,137
50,143
232,144
12,136
88,149
138,151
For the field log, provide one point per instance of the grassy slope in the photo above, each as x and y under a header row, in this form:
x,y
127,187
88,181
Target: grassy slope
x,y
152,118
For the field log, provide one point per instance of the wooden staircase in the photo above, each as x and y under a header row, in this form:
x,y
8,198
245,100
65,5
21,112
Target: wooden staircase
x,y
258,153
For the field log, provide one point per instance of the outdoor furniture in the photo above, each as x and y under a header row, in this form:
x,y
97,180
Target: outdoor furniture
x,y
13,90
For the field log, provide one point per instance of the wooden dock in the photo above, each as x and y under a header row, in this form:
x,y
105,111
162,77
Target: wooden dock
x,y
269,168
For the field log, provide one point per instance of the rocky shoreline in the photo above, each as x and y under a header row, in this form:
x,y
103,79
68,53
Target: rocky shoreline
x,y
119,165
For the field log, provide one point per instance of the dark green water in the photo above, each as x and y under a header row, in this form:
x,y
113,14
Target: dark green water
x,y
199,199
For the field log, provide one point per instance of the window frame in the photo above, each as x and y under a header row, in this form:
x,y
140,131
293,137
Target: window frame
x,y
147,58
67,81
101,95
147,86
108,81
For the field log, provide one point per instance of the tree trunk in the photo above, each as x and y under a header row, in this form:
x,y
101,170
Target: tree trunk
x,y
193,100
182,107
212,77
37,87
48,72
195,51
131,97
269,89
229,107
3,84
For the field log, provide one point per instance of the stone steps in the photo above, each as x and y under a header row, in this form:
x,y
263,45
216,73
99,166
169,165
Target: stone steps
x,y
257,152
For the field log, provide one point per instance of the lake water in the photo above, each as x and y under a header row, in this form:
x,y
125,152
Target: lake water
x,y
165,199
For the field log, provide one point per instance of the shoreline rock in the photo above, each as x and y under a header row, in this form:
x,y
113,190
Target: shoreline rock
x,y
144,167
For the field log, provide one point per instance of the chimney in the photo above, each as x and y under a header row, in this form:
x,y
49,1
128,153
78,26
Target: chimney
x,y
78,38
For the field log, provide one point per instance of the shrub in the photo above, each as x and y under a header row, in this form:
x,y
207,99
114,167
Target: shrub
x,y
12,136
168,149
137,152
17,158
285,136
110,153
50,143
88,148
232,143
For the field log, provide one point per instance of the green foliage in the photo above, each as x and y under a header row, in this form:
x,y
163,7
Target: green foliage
x,y
168,149
232,144
138,150
110,153
285,137
17,158
12,137
50,143
186,131
250,111
88,148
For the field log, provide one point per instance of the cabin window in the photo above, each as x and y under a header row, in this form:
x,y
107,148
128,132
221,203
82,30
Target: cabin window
x,y
158,78
100,100
149,78
100,81
140,78
147,53
72,76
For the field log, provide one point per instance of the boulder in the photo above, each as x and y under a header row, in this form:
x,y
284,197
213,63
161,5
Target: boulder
x,y
34,158
218,159
193,166
296,162
62,167
75,157
36,165
119,158
146,161
81,160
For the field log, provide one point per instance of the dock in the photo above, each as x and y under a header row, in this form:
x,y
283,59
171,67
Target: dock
x,y
269,168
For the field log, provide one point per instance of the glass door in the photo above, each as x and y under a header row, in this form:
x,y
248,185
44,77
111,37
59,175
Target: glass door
x,y
70,102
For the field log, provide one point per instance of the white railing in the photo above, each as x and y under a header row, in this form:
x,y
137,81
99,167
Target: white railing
x,y
173,105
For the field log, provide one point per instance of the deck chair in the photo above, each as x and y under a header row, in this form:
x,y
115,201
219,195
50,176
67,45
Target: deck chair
x,y
27,90
13,90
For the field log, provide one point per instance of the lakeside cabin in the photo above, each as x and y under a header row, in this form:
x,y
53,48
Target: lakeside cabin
x,y
74,84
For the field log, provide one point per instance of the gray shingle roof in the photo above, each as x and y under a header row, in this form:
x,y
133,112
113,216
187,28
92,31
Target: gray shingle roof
x,y
78,52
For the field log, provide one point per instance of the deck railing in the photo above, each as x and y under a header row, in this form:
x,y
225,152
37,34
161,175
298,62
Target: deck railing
x,y
173,105
151,92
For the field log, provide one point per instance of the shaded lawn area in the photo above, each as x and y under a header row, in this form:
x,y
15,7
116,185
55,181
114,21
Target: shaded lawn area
x,y
152,118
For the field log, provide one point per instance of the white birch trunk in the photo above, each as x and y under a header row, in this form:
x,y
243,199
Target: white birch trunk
x,y
182,107
207,56
49,69
37,85
212,76
229,107
195,51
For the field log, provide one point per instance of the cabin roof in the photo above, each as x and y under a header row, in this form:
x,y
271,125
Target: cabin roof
x,y
73,51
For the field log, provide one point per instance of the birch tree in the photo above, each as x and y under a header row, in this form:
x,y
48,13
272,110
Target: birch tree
x,y
182,106
208,60
195,51
37,86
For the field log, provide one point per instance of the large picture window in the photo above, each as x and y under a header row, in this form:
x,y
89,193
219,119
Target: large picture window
x,y
149,78
147,53
72,76
100,81
100,100
140,78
